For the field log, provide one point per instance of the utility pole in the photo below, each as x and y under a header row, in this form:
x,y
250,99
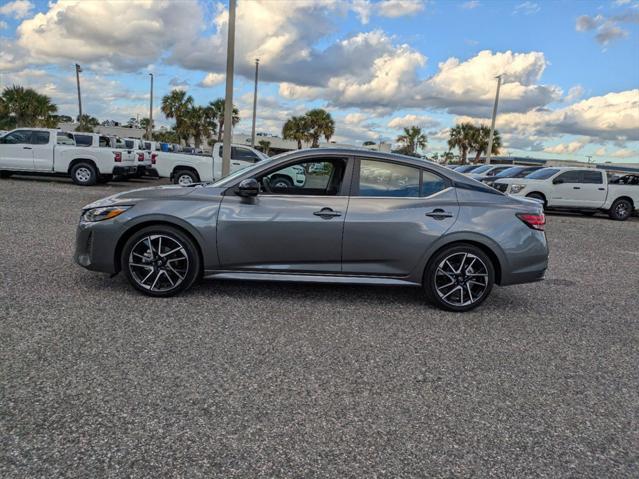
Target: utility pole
x,y
149,128
228,101
78,69
492,125
257,64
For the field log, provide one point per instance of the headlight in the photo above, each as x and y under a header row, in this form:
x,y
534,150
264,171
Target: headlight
x,y
514,189
104,213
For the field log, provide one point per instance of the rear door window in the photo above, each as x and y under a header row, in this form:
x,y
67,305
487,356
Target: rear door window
x,y
593,177
40,137
83,140
381,178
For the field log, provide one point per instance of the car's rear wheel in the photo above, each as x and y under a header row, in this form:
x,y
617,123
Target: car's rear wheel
x,y
459,278
537,196
620,210
281,183
185,177
160,261
84,174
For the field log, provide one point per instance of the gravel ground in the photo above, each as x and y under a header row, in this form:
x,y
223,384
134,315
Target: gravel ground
x,y
241,379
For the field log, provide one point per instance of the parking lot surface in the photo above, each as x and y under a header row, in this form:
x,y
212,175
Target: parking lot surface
x,y
241,379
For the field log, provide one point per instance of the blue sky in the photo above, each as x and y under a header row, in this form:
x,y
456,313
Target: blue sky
x,y
571,67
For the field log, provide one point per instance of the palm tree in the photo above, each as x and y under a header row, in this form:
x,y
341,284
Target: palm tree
x,y
87,123
197,124
216,114
297,128
176,105
265,145
461,137
412,139
25,107
480,142
321,123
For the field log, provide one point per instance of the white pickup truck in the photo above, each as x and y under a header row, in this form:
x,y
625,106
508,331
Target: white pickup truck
x,y
184,169
49,151
586,190
145,158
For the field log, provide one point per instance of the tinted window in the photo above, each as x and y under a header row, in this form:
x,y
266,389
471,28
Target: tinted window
x,y
513,170
83,140
379,178
39,137
319,177
526,172
570,177
482,169
243,154
592,177
431,183
496,170
543,174
129,144
104,141
467,168
147,145
17,137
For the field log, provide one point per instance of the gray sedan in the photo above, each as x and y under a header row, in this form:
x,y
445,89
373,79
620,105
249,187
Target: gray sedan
x,y
359,217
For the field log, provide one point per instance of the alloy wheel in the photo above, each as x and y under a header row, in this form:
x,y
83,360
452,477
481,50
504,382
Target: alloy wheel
x,y
461,279
158,263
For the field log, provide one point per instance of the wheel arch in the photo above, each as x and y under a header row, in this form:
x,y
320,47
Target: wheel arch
x,y
184,167
176,223
543,195
75,161
624,197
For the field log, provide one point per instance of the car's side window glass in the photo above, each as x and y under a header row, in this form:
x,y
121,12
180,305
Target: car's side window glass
x,y
39,137
243,154
20,137
63,138
83,140
381,178
570,177
432,183
104,141
320,177
593,177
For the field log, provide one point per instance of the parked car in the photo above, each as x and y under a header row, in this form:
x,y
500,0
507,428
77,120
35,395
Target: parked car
x,y
512,172
42,151
184,169
582,189
144,157
466,168
487,171
419,224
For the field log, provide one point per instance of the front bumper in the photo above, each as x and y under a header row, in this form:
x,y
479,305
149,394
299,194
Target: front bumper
x,y
96,245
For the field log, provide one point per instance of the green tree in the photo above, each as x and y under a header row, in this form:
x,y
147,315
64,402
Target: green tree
x,y
265,145
321,124
215,112
198,124
297,128
480,140
177,105
21,106
411,140
461,137
87,123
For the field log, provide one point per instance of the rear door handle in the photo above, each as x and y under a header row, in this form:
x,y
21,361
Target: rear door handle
x,y
439,214
327,213
601,189
576,187
27,148
235,162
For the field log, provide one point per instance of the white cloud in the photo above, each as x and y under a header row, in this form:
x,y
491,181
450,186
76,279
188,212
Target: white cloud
x,y
563,148
3,25
470,4
624,153
405,121
399,8
526,8
575,93
212,79
607,29
17,9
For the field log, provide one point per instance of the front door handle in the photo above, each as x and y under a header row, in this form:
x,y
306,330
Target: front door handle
x,y
235,162
327,213
27,148
576,187
601,189
439,214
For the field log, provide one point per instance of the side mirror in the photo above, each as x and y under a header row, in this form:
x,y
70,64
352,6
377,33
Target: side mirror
x,y
557,181
247,188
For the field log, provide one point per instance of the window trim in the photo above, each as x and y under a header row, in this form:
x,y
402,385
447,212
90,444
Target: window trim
x,y
357,169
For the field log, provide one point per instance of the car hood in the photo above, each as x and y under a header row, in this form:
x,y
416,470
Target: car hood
x,y
157,192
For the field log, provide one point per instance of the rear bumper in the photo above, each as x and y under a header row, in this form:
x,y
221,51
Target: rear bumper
x,y
124,170
527,263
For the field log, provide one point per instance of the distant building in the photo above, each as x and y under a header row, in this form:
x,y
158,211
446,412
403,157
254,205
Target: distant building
x,y
121,131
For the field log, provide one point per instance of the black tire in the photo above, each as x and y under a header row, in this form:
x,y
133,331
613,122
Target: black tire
x,y
537,196
190,269
84,174
180,177
435,280
620,210
5,174
281,183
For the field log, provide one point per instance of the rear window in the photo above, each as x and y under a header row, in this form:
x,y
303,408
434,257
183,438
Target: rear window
x,y
543,174
129,143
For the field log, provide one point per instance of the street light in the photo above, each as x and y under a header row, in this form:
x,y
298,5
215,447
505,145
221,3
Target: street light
x,y
228,101
492,125
257,64
149,128
78,69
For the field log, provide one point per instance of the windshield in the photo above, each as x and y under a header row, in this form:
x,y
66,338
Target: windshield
x,y
542,174
467,168
509,172
482,169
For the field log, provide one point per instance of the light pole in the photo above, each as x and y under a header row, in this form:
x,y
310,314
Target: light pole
x,y
149,128
78,69
257,64
228,101
492,125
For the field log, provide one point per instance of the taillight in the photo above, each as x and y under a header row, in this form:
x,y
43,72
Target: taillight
x,y
140,156
154,157
532,220
117,156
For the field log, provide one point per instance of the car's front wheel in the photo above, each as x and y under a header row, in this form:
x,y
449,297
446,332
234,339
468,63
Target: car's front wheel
x,y
459,278
160,261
